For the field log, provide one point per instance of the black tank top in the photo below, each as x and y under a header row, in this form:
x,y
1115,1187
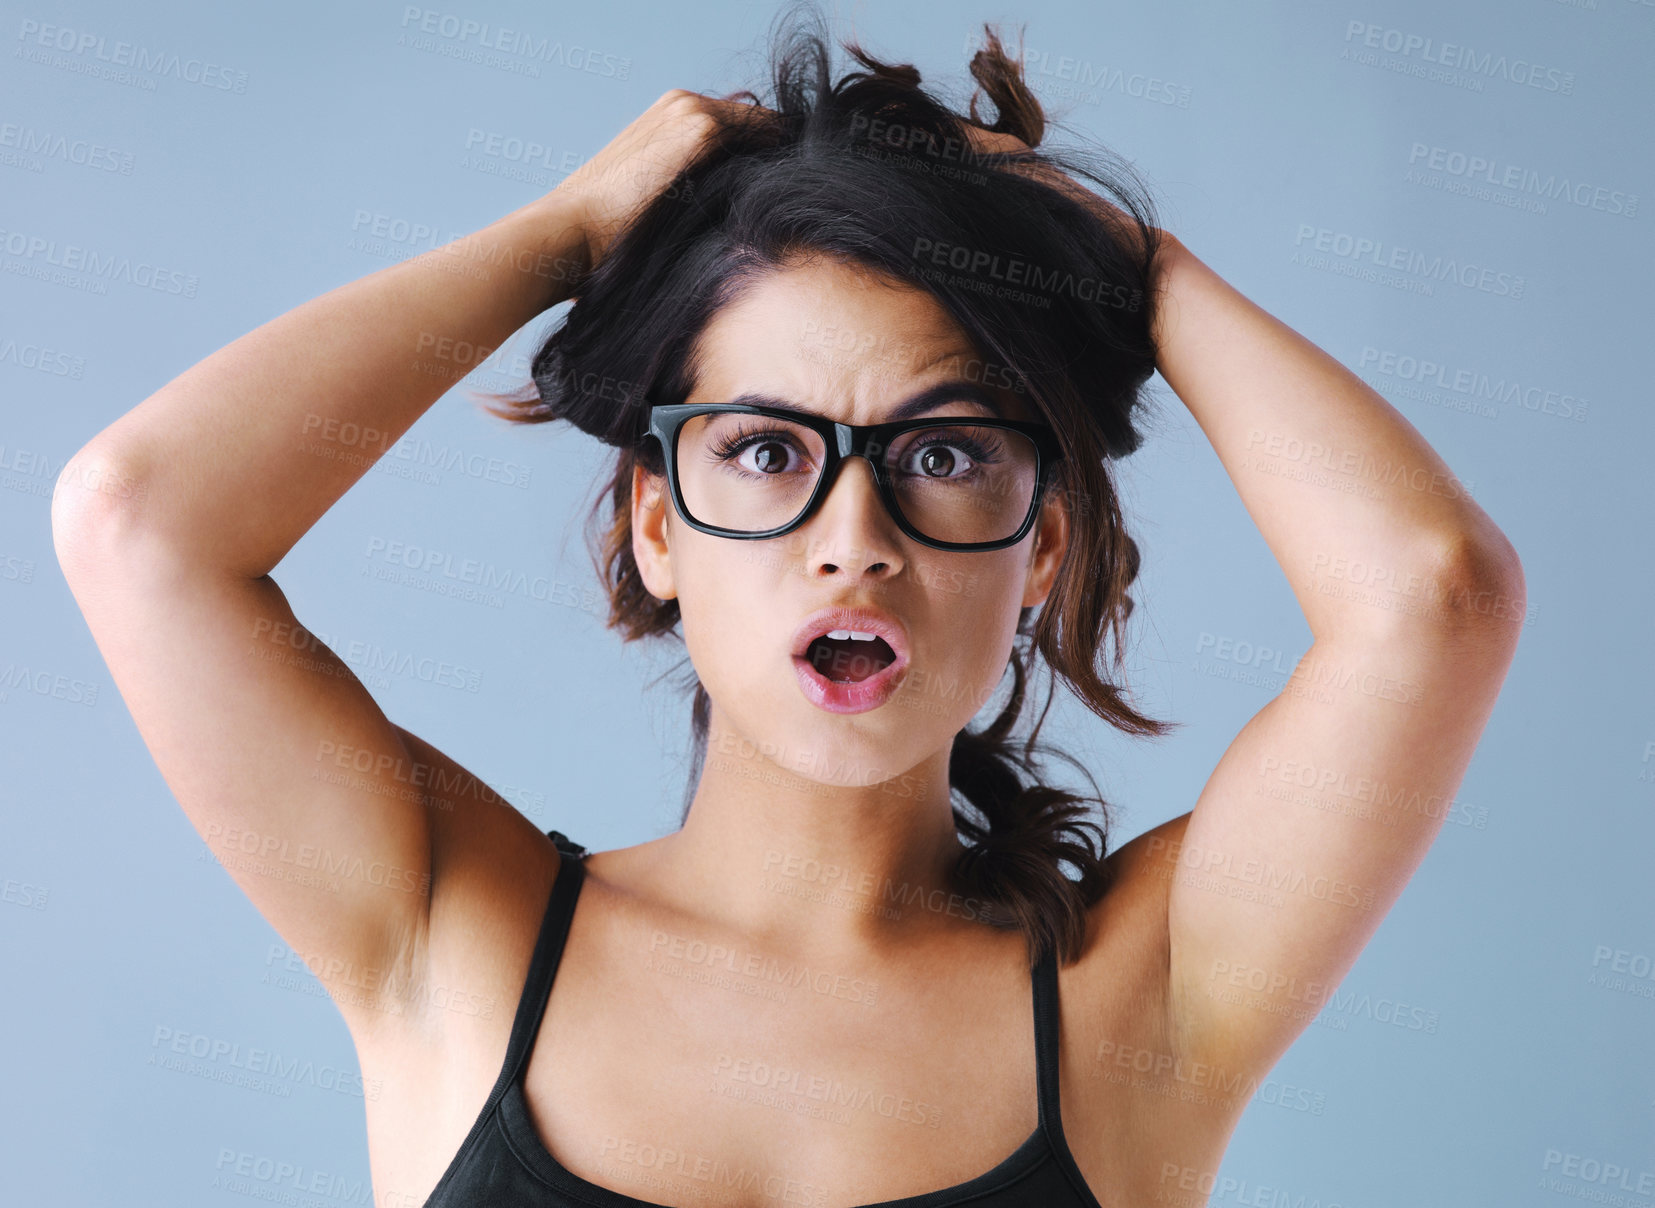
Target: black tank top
x,y
503,1164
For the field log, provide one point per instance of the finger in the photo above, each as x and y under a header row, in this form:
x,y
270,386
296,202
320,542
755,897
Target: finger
x,y
993,140
732,108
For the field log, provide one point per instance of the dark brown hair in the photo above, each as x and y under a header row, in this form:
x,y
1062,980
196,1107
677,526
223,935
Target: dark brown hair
x,y
873,169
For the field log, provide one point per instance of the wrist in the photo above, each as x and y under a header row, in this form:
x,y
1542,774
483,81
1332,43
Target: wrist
x,y
565,214
1170,257
546,239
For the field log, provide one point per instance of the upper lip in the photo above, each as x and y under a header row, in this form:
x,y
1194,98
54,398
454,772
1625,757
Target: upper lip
x,y
863,620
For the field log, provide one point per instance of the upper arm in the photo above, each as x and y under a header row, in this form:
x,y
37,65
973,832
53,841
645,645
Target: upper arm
x,y
1315,818
299,785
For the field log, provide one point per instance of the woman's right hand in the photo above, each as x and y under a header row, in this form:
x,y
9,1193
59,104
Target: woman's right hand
x,y
612,187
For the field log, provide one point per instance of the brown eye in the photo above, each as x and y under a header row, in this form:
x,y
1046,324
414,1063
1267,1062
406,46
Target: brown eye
x,y
769,457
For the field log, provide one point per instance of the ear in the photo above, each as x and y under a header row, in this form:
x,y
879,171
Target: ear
x,y
650,506
1051,540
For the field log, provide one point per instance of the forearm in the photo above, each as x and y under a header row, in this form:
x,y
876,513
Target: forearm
x,y
236,458
1330,472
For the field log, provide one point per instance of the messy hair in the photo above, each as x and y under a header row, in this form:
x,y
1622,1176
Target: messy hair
x,y
874,170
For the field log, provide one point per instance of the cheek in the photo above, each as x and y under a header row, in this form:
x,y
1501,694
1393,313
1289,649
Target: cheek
x,y
727,598
972,608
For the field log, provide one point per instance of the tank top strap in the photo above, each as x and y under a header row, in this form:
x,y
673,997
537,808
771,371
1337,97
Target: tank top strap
x,y
1046,1032
548,953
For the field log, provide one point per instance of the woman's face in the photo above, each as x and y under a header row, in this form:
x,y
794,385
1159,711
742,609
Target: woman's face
x,y
829,338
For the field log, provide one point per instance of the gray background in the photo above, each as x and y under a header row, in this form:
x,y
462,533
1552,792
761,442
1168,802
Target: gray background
x,y
113,924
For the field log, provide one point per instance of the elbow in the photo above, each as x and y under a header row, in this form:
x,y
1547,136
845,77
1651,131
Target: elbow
x,y
1482,589
96,499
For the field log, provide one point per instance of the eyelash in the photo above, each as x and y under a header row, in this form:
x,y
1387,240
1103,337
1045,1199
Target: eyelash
x,y
743,437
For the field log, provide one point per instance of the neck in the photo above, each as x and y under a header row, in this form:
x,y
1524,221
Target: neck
x,y
832,865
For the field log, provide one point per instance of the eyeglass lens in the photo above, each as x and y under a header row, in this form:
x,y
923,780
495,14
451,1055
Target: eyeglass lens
x,y
957,482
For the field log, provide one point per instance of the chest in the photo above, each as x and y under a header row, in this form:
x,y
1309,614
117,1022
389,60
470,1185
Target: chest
x,y
676,1069
667,1067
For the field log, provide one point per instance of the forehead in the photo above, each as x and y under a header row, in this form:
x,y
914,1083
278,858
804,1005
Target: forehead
x,y
839,339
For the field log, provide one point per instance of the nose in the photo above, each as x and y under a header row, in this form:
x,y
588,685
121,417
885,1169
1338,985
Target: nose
x,y
852,533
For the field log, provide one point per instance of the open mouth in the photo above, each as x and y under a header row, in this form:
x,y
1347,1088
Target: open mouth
x,y
846,656
852,664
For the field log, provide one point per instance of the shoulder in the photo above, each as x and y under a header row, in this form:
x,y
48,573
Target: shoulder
x,y
1127,951
1140,875
1141,870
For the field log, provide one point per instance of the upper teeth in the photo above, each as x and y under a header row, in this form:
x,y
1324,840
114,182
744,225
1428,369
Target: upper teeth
x,y
852,634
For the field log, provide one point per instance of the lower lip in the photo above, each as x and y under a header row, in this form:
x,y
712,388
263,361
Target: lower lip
x,y
837,696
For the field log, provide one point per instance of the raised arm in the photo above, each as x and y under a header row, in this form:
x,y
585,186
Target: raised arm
x,y
1326,801
346,832
166,525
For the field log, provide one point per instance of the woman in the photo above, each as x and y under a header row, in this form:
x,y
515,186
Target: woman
x,y
863,360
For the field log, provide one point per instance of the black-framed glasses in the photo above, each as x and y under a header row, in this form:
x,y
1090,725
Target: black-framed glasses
x,y
950,482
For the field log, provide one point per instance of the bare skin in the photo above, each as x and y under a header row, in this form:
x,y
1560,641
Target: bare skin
x,y
168,522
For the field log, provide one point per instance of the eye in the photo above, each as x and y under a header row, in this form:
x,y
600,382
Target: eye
x,y
938,459
943,455
762,452
765,456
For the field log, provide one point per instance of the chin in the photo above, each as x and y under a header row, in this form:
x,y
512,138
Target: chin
x,y
860,749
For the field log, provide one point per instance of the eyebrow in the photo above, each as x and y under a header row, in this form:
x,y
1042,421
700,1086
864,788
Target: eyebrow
x,y
929,399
